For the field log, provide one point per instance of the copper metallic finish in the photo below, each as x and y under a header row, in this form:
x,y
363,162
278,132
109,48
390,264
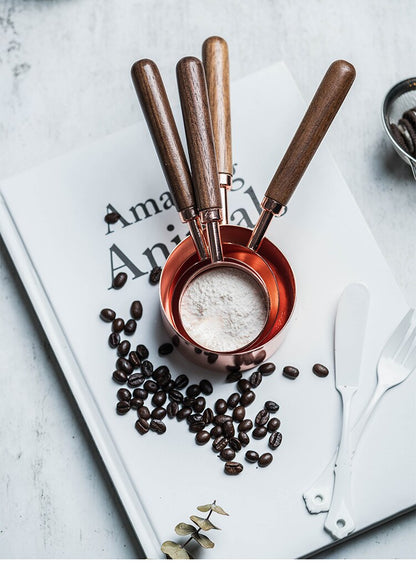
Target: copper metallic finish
x,y
274,270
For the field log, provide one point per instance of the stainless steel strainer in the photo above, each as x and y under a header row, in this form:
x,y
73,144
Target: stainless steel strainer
x,y
400,99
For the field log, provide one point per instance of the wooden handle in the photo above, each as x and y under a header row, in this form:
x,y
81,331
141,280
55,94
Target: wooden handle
x,y
198,128
322,110
217,71
158,113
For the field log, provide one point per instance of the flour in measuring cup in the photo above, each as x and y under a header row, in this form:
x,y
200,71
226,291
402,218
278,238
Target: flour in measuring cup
x,y
223,309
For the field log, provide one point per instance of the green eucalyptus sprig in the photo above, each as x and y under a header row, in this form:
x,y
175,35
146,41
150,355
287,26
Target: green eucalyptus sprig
x,y
177,551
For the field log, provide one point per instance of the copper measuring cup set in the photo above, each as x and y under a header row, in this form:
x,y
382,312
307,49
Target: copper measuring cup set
x,y
200,194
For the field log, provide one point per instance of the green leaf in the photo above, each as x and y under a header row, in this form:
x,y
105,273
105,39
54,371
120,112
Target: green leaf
x,y
203,523
218,510
183,529
174,550
204,507
203,540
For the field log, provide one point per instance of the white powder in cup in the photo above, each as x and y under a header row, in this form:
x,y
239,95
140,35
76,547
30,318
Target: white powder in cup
x,y
223,309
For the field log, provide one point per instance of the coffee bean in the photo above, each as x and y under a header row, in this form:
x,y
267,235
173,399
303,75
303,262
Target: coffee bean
x,y
228,428
136,403
208,416
136,310
134,359
112,217
243,385
239,413
119,280
233,400
154,275
144,412
151,386
181,381
259,432
124,365
172,409
219,419
140,393
262,418
142,351
273,424
159,398
216,431
124,394
107,315
136,380
233,376
227,454
142,426
158,426
320,370
247,398
275,440
251,456
235,444
206,387
183,413
271,406
245,425
255,379
158,413
194,417
265,459
196,426
113,340
267,369
199,404
220,406
123,348
165,349
290,372
161,374
233,468
130,327
147,368
202,437
118,324
219,443
187,402
244,438
175,396
119,376
122,407
193,391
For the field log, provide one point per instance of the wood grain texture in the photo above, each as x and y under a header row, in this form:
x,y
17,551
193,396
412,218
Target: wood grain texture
x,y
198,128
318,117
217,70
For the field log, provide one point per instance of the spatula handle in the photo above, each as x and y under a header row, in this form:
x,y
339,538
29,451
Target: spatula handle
x,y
318,117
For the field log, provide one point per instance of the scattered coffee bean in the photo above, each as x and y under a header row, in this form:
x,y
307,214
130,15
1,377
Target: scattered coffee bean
x,y
144,412
208,416
124,394
255,379
119,280
265,459
239,413
234,376
107,315
262,418
227,454
119,376
196,426
216,431
219,419
151,386
136,403
267,368
271,406
147,368
183,413
251,456
202,437
233,468
181,381
320,370
130,327
161,374
158,413
275,440
245,426
159,398
136,310
165,349
193,391
233,400
136,380
187,402
142,426
219,443
206,387
112,217
113,340
175,396
199,404
118,324
273,424
243,385
244,438
195,418
122,407
134,359
142,351
220,406
172,409
290,372
154,275
235,444
228,428
123,348
259,432
158,426
140,393
247,398
124,365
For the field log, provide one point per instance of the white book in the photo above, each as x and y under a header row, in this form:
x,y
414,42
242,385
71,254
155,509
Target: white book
x,y
52,221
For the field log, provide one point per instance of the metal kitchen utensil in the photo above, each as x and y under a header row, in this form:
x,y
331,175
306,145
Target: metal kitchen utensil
x,y
217,71
397,361
158,113
401,98
350,327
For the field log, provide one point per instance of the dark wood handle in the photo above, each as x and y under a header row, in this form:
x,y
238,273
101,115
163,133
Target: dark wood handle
x,y
322,110
217,71
198,128
158,113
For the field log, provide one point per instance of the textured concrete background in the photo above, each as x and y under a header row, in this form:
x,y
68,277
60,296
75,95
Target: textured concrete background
x,y
64,82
